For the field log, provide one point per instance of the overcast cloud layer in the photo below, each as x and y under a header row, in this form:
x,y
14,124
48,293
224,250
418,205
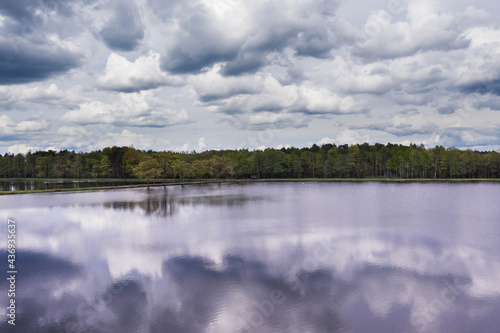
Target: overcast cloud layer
x,y
215,74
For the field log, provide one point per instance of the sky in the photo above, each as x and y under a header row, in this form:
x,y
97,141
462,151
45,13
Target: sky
x,y
188,75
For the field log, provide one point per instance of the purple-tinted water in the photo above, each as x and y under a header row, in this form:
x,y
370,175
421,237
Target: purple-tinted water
x,y
257,257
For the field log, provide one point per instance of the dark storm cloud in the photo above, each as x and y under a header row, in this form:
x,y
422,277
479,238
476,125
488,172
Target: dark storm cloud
x,y
199,46
483,87
29,52
25,11
22,61
125,30
243,64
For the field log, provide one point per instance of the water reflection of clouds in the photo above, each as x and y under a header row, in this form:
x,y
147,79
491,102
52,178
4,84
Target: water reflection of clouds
x,y
195,294
207,268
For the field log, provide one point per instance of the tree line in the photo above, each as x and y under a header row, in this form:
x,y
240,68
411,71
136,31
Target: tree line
x,y
326,161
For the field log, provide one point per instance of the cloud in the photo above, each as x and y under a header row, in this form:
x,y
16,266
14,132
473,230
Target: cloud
x,y
403,80
23,60
96,137
409,123
77,137
126,138
183,148
314,100
404,124
469,137
249,62
142,109
427,27
34,44
268,120
125,30
325,140
488,101
17,97
259,103
10,130
479,72
27,15
349,137
201,144
288,64
240,34
142,74
211,86
22,148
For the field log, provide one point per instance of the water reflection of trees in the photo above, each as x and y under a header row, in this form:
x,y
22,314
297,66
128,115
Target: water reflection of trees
x,y
168,205
160,206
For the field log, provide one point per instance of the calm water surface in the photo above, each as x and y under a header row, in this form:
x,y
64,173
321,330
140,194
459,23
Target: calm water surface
x,y
257,257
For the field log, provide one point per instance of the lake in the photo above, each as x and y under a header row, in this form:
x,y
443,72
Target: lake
x,y
257,257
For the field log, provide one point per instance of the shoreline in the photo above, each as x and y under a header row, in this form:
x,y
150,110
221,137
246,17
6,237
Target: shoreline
x,y
211,181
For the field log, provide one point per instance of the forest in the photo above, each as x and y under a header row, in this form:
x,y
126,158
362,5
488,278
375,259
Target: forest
x,y
326,161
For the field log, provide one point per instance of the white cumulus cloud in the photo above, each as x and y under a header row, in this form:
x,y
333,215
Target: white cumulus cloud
x,y
142,74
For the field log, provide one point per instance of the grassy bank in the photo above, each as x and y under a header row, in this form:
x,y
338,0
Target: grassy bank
x,y
385,180
141,183
157,182
99,180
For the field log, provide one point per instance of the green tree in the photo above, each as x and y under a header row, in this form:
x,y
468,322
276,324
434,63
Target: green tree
x,y
19,166
200,169
148,169
104,167
456,163
220,165
42,167
424,160
165,160
180,168
286,163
